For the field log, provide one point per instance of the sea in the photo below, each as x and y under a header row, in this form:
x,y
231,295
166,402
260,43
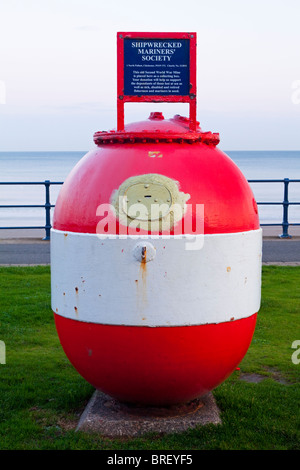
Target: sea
x,y
55,166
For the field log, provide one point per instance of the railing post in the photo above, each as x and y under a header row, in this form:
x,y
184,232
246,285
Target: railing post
x,y
285,221
47,210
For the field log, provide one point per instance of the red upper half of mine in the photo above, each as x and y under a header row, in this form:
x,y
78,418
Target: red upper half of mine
x,y
165,147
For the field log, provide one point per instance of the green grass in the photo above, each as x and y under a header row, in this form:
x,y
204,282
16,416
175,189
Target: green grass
x,y
42,395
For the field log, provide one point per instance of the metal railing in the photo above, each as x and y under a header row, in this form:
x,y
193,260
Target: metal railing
x,y
285,224
47,206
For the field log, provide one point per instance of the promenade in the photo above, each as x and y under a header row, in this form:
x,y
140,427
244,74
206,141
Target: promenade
x,y
27,248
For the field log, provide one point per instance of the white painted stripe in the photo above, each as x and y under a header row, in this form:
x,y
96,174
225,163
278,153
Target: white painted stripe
x,y
103,281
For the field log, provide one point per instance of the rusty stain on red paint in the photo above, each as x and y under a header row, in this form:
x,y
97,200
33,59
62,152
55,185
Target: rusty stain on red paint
x,y
155,153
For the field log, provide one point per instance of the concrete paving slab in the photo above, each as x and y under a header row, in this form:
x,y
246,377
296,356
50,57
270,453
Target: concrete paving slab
x,y
22,233
274,232
109,417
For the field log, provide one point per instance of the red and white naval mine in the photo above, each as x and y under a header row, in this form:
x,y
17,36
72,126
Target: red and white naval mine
x,y
156,261
150,319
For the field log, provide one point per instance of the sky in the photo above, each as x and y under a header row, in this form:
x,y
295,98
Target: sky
x,y
58,70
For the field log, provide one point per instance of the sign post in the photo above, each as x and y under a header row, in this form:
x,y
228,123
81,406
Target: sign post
x,y
156,67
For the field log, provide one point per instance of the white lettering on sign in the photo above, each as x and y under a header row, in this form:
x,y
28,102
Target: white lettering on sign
x,y
165,45
156,51
157,81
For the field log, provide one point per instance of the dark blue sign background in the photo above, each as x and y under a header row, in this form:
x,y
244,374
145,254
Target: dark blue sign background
x,y
156,67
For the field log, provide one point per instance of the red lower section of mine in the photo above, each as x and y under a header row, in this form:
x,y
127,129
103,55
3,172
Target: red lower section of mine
x,y
155,365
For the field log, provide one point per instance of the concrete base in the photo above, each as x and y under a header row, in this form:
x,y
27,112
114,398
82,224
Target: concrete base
x,y
107,416
37,234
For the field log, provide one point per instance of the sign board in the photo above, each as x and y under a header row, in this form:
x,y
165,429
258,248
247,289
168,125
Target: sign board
x,y
156,67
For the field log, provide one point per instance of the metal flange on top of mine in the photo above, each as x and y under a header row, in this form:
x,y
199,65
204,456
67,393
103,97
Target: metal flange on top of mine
x,y
156,243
